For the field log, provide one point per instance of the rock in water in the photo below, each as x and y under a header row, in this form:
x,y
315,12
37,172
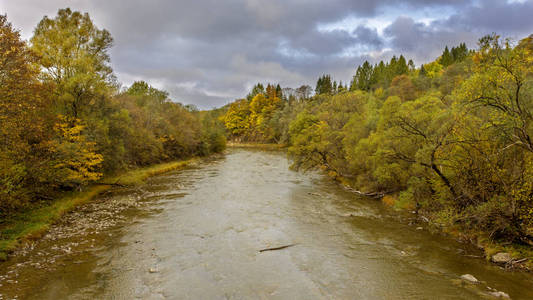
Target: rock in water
x,y
502,258
469,278
499,294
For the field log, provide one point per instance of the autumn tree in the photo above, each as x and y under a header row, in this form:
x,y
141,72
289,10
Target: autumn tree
x,y
74,56
24,120
237,118
503,83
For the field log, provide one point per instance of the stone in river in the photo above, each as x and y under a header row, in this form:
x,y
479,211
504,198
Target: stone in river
x,y
469,278
501,258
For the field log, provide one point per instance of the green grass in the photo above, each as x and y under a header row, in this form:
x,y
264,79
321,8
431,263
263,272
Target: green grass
x,y
32,224
139,175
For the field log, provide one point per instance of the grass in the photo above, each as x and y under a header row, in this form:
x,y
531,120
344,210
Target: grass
x,y
32,224
139,175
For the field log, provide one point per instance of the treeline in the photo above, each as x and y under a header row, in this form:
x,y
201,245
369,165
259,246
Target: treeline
x,y
452,140
64,121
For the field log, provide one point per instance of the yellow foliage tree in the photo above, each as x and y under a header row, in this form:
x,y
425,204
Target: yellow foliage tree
x,y
261,111
237,119
76,158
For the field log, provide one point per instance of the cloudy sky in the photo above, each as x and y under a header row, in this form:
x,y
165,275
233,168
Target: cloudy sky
x,y
209,52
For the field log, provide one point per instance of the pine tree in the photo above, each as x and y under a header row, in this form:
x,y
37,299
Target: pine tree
x,y
324,85
423,71
446,58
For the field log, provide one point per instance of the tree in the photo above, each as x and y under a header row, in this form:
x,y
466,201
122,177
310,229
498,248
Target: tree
x,y
74,157
401,67
403,87
446,58
73,54
422,72
324,85
237,118
257,89
363,77
419,132
304,92
23,119
459,53
503,83
143,89
261,112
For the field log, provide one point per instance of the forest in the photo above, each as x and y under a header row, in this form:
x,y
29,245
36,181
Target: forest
x,y
451,140
65,121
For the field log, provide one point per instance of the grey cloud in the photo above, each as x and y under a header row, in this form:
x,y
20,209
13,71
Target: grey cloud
x,y
423,42
498,16
368,36
209,52
426,41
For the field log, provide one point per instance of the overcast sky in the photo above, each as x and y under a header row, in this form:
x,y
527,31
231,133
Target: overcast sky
x,y
209,52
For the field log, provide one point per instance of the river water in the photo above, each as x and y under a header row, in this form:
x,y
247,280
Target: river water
x,y
196,234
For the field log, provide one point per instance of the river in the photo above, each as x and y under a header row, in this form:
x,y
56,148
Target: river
x,y
196,234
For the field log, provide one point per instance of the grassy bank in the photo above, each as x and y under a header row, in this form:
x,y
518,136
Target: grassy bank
x,y
33,223
256,145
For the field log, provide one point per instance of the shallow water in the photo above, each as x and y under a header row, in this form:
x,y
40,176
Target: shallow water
x,y
196,234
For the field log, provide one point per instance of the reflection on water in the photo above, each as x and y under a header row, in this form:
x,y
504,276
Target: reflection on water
x,y
195,234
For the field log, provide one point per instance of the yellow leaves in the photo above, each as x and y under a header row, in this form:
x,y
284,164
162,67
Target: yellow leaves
x,y
236,118
76,159
251,119
433,69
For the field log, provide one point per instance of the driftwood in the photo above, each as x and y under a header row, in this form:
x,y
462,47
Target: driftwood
x,y
473,256
371,194
520,260
277,248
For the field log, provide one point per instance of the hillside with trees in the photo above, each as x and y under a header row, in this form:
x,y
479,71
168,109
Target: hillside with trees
x,y
450,140
65,122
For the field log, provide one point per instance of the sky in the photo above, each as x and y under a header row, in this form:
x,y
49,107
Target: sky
x,y
211,52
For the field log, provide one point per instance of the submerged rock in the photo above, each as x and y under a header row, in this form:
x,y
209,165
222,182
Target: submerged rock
x,y
502,258
499,294
469,278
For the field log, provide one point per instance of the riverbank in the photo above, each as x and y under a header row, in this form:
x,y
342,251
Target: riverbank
x,y
504,254
32,224
257,145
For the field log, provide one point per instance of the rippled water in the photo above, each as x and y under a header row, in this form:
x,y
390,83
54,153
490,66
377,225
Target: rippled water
x,y
196,234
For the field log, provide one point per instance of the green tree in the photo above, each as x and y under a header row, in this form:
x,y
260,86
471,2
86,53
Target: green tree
x,y
446,58
503,83
363,77
74,54
324,85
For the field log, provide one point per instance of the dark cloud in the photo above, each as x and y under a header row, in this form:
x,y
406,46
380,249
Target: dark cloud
x,y
368,36
503,17
424,42
209,52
